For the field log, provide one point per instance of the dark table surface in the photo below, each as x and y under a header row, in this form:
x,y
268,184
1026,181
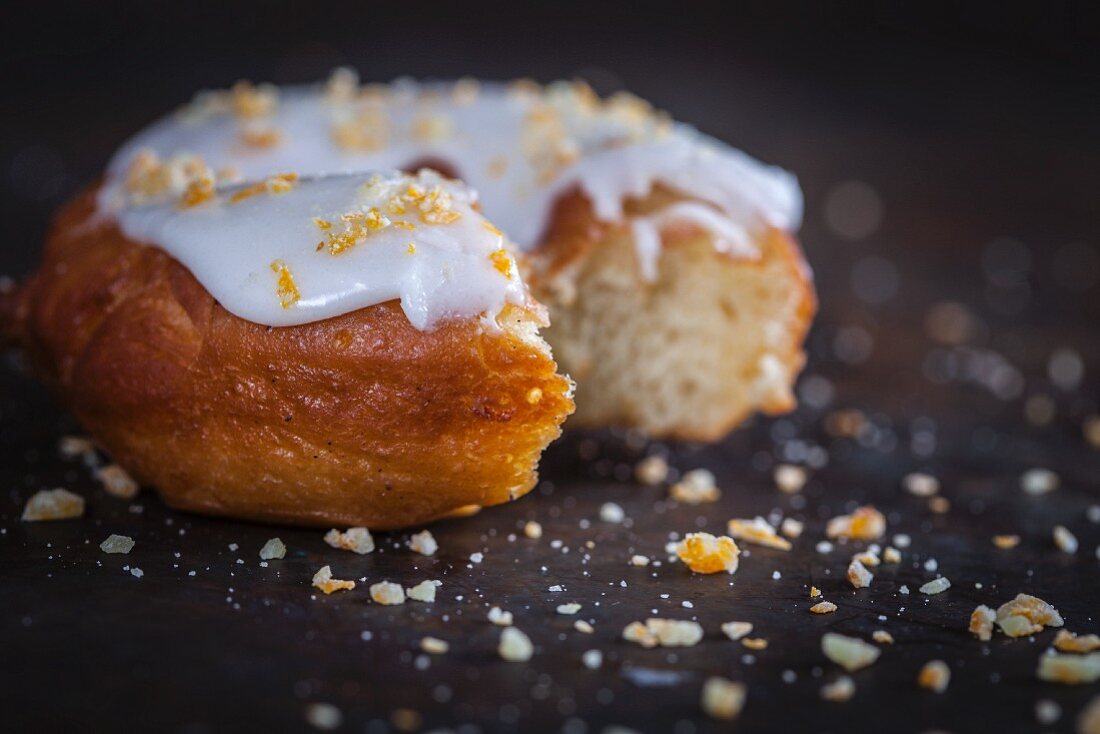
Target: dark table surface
x,y
977,161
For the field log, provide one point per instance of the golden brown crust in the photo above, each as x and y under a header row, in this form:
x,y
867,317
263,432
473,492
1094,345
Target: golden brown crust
x,y
581,257
356,420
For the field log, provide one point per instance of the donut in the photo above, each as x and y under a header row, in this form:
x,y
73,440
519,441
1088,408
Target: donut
x,y
679,298
349,350
283,304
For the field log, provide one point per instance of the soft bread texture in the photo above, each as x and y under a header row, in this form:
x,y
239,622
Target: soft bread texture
x,y
355,420
688,356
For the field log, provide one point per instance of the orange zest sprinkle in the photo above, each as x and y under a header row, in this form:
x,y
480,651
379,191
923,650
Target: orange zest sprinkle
x,y
502,262
286,289
198,191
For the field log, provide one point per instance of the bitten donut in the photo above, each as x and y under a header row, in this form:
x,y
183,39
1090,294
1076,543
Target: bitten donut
x,y
348,350
678,296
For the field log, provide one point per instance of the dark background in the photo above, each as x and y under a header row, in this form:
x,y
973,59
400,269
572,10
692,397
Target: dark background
x,y
973,129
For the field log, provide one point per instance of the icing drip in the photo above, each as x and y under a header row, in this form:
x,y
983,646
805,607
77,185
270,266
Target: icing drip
x,y
520,146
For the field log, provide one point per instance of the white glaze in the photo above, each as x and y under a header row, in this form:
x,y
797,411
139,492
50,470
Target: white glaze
x,y
520,149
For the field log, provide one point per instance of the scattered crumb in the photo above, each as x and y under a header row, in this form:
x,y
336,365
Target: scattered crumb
x,y
891,555
1039,482
882,637
1069,669
423,543
1064,539
704,553
840,690
935,676
117,544
755,643
500,617
515,646
1026,615
532,530
790,478
858,575
273,548
424,591
814,592
1006,542
568,608
939,505
791,528
1067,641
612,513
981,622
387,592
921,485
695,487
592,659
936,586
758,531
866,523
723,699
663,632
581,626
116,482
434,646
823,607
324,716
850,653
53,504
323,580
1088,722
736,630
356,540
651,471
639,561
1047,712
73,447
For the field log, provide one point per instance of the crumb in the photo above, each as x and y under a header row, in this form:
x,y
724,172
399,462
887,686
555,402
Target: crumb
x,y
1066,641
273,548
324,716
1047,712
117,544
612,513
935,676
789,478
858,575
1038,482
1026,615
663,632
53,504
704,553
1006,542
850,653
936,586
939,505
568,608
736,630
640,561
323,580
1088,722
791,528
723,699
891,555
532,530
651,471
882,637
755,643
866,523
696,487
1065,540
73,447
840,690
116,482
981,622
814,592
901,540
477,557
387,593
867,558
823,607
423,543
356,540
592,659
434,646
424,591
921,485
1069,669
515,646
758,531
581,626
499,617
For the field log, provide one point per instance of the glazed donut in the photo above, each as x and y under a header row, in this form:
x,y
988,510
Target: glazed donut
x,y
678,297
353,350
